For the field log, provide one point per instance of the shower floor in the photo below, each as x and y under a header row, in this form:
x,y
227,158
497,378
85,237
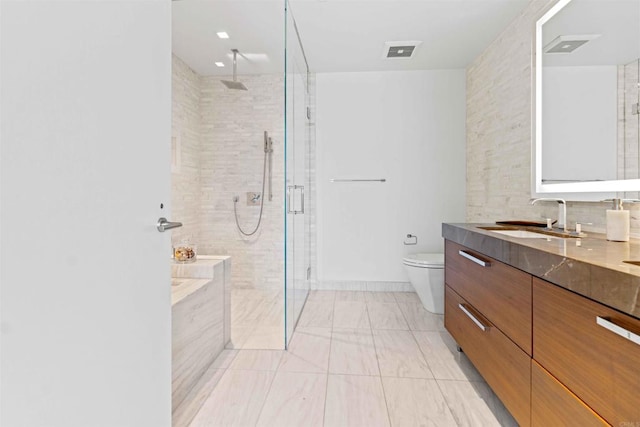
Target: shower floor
x,y
257,319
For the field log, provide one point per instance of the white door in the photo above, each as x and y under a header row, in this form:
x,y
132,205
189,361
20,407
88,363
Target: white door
x,y
85,98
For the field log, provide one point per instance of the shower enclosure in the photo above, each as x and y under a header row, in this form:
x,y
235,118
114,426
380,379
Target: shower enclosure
x,y
299,147
242,179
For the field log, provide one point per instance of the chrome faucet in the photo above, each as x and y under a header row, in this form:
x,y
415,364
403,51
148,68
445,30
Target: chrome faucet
x,y
562,210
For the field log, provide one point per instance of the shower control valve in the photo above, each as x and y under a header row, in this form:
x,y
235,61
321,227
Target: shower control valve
x,y
253,199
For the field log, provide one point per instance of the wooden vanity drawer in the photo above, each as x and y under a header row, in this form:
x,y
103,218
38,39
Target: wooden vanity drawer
x,y
505,367
552,404
597,365
502,293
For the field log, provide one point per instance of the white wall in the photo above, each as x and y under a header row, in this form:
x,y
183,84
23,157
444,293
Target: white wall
x,y
406,127
580,122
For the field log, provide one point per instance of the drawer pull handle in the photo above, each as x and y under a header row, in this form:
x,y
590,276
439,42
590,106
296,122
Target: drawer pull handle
x,y
472,317
474,259
618,330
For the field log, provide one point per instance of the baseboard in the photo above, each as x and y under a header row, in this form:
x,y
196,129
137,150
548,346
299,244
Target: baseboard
x,y
352,285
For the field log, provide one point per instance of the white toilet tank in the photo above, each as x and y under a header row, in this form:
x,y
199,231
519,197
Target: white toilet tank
x,y
426,274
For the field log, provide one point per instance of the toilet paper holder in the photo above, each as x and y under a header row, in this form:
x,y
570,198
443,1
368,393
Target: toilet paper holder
x,y
411,240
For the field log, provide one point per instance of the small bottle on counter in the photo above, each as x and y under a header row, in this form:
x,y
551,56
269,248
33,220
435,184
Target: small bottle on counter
x,y
617,223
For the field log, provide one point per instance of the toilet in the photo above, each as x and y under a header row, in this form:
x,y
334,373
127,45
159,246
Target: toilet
x,y
426,274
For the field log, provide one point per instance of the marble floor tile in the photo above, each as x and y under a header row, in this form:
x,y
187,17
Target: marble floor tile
x,y
350,296
399,355
295,399
386,315
224,359
444,360
416,402
355,401
308,351
317,314
236,400
353,352
407,297
474,404
273,314
379,297
350,314
256,315
318,295
420,319
247,312
257,360
267,337
238,336
243,294
193,401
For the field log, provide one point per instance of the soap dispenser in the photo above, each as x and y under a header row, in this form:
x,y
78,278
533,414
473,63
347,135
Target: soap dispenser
x,y
617,223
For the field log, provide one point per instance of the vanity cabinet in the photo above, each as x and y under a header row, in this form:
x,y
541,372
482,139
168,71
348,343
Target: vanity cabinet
x,y
552,404
552,356
504,366
572,341
500,292
488,312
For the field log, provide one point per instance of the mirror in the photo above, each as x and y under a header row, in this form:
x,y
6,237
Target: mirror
x,y
587,99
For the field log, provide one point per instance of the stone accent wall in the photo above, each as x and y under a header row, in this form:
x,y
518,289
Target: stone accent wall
x,y
185,173
221,155
499,107
231,156
629,123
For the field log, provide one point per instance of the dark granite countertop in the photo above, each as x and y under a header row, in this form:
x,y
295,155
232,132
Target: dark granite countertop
x,y
590,266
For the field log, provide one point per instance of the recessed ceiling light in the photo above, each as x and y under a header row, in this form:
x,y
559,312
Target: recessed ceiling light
x,y
223,35
219,64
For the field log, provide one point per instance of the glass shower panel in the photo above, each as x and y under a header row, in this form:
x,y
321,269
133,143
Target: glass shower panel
x,y
297,171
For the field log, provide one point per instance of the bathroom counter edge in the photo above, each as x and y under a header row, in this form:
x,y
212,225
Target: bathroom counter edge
x,y
590,266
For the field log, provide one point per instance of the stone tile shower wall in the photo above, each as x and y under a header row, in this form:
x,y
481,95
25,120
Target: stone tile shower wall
x,y
185,171
629,122
499,107
220,134
231,159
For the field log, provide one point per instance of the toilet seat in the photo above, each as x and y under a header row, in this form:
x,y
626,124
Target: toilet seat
x,y
424,260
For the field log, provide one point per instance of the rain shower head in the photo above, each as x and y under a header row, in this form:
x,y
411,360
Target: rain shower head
x,y
234,84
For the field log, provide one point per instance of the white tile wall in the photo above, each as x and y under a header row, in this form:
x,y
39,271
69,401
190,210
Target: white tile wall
x,y
629,129
221,133
231,156
499,132
185,179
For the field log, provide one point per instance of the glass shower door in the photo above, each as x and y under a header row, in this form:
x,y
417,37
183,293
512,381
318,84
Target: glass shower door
x,y
297,177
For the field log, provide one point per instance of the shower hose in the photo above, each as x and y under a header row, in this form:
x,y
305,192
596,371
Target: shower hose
x,y
236,199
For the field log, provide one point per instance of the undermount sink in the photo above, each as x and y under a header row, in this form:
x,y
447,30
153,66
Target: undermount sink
x,y
524,234
519,233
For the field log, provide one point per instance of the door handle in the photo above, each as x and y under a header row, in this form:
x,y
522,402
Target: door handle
x,y
291,197
164,224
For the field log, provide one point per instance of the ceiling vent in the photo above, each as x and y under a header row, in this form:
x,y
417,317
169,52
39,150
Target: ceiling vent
x,y
567,44
400,50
